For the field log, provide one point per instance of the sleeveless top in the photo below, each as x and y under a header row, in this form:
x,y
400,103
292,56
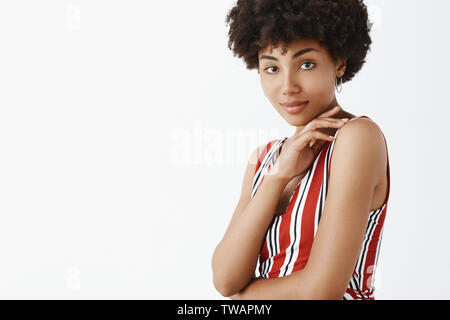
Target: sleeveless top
x,y
290,235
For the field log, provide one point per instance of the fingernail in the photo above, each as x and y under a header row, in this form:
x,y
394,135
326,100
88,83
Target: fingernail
x,y
337,107
345,119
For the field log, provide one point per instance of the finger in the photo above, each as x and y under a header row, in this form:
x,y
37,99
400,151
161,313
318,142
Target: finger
x,y
318,135
336,119
324,123
306,138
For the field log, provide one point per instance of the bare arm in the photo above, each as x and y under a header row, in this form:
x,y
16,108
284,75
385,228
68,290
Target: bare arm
x,y
284,288
235,258
359,155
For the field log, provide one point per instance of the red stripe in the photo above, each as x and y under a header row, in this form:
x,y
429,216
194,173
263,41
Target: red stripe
x,y
388,172
308,215
371,253
374,242
308,224
352,293
263,154
265,251
359,295
284,236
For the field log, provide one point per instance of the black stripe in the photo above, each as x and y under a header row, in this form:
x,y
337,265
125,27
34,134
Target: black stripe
x,y
324,187
263,163
271,249
328,163
260,168
277,242
266,160
276,251
273,228
320,203
369,237
360,261
370,223
269,230
295,225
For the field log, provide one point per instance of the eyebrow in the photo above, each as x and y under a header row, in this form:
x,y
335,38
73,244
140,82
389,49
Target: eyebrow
x,y
295,55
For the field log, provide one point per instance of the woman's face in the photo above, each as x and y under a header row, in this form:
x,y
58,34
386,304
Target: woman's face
x,y
306,73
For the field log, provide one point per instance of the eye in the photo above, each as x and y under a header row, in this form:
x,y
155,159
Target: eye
x,y
311,64
270,68
308,63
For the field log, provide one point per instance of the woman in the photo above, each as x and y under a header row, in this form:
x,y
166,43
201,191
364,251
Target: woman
x,y
334,169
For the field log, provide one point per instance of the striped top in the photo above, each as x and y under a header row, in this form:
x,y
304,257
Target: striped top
x,y
290,235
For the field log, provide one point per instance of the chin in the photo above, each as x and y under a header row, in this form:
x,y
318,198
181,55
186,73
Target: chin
x,y
296,123
295,120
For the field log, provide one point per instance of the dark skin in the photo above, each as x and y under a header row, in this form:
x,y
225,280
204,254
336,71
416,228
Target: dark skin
x,y
352,192
310,76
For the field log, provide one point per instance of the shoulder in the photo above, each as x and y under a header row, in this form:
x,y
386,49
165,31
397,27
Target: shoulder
x,y
360,135
360,129
360,142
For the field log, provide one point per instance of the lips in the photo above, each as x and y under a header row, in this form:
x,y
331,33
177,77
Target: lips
x,y
294,106
294,103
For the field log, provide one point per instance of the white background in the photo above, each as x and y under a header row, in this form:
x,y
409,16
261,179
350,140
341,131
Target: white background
x,y
125,128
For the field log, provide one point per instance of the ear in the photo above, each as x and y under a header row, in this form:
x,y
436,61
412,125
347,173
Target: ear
x,y
340,67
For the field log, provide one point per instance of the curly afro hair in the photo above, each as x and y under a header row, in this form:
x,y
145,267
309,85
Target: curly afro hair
x,y
341,26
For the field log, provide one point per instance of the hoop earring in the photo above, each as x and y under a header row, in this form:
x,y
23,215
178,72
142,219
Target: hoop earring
x,y
338,86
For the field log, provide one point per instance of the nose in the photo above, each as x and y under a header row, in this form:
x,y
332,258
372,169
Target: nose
x,y
290,84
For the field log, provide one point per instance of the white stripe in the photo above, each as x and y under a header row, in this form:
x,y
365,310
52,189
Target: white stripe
x,y
269,250
319,207
273,240
364,245
322,196
369,239
372,214
263,167
259,173
286,265
267,263
267,157
348,296
353,284
378,251
298,214
275,244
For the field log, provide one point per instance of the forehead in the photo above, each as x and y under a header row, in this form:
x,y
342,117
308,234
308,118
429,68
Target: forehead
x,y
293,47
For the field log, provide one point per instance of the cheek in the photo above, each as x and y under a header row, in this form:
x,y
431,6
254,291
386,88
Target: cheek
x,y
269,89
317,82
319,88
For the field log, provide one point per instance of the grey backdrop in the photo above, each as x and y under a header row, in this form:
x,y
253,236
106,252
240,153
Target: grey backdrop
x,y
125,127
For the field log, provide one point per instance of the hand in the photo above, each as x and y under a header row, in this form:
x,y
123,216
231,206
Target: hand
x,y
300,150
